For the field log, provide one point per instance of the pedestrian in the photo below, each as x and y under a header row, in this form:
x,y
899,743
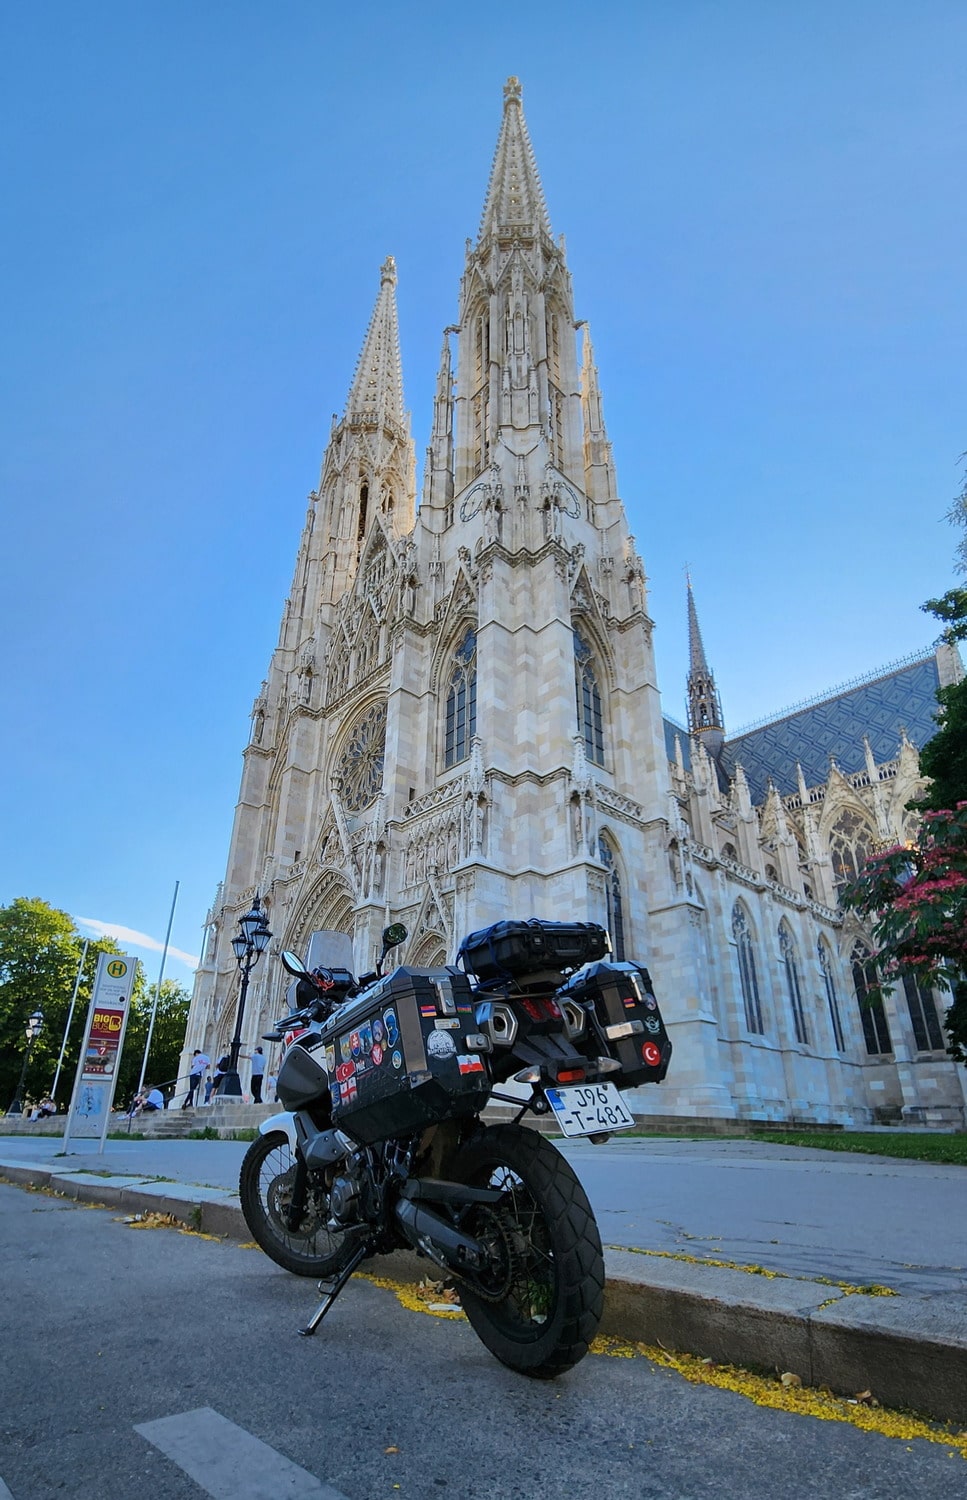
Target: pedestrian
x,y
154,1100
46,1108
271,1087
209,1085
223,1066
196,1073
257,1059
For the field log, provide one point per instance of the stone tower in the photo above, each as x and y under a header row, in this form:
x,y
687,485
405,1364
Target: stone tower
x,y
461,724
461,720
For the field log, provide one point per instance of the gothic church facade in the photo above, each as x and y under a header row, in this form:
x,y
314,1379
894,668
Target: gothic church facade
x,y
461,723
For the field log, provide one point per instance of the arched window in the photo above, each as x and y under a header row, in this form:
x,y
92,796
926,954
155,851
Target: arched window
x,y
790,963
832,1000
747,970
461,723
612,888
876,1032
849,847
588,700
363,509
923,1016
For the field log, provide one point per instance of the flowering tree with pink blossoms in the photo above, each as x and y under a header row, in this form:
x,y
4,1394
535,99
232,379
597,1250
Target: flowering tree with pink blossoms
x,y
915,900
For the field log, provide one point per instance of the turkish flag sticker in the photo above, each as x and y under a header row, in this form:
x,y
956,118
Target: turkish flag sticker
x,y
651,1054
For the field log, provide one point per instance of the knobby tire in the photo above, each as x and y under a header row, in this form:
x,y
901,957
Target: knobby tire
x,y
539,1303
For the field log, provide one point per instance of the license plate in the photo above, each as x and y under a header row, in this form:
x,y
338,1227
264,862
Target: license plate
x,y
586,1108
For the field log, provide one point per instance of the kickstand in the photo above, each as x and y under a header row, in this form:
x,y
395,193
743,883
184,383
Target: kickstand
x,y
333,1292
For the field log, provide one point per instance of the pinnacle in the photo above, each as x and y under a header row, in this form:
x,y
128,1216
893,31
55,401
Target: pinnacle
x,y
515,199
377,388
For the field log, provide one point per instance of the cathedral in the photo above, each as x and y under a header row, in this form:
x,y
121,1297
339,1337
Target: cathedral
x,y
461,723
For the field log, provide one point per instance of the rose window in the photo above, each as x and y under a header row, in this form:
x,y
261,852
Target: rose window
x,y
361,763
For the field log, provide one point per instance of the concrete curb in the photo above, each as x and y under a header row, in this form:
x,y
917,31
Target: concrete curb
x,y
910,1352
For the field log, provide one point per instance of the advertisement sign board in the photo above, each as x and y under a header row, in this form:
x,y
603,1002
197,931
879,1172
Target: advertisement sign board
x,y
97,1067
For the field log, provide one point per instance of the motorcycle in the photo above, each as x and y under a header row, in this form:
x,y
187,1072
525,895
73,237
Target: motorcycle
x,y
381,1145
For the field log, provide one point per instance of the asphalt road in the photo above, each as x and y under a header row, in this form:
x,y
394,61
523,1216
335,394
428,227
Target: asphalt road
x,y
106,1330
853,1218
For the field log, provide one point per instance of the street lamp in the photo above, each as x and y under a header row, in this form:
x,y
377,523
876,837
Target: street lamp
x,y
248,945
35,1025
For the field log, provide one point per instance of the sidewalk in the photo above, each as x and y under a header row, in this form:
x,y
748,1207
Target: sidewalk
x,y
801,1237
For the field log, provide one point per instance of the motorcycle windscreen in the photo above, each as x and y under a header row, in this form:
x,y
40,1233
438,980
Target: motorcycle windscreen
x,y
327,949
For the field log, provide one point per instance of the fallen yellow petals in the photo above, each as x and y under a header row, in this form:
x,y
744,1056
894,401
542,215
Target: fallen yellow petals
x,y
802,1400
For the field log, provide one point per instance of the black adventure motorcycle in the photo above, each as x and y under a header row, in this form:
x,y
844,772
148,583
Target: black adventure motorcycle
x,y
382,1146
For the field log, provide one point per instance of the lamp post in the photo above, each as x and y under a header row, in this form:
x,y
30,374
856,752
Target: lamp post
x,y
248,945
35,1025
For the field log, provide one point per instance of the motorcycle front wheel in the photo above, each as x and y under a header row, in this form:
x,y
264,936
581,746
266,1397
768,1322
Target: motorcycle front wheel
x,y
537,1302
265,1190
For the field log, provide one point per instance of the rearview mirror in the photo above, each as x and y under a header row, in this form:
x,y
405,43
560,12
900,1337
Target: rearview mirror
x,y
292,962
394,935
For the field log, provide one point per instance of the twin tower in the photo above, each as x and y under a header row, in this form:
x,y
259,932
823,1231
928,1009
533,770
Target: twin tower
x,y
461,720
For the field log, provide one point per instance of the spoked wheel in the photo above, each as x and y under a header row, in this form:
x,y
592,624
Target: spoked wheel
x,y
265,1190
538,1301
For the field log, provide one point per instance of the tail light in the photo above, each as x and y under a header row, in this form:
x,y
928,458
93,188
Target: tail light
x,y
571,1075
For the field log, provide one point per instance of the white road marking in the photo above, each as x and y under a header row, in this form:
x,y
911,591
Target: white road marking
x,y
229,1463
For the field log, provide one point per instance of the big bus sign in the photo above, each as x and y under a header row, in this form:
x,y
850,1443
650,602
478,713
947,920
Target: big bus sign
x,y
97,1068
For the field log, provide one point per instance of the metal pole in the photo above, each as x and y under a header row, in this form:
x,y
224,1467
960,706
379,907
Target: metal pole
x,y
70,1017
157,993
231,1084
16,1103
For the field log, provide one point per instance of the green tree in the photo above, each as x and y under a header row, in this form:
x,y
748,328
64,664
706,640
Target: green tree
x,y
40,951
944,758
915,898
167,1038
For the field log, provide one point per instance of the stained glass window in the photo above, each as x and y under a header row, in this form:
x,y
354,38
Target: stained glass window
x,y
849,847
616,920
876,1031
790,962
748,977
923,1016
361,763
832,999
588,700
461,722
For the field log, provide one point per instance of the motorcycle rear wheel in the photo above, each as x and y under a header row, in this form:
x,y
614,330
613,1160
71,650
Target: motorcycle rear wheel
x,y
537,1304
265,1191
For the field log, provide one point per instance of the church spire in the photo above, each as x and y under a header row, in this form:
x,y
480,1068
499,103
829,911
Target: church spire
x,y
376,393
368,467
515,204
599,475
704,708
517,368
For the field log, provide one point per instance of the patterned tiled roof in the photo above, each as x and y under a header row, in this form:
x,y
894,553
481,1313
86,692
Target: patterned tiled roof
x,y
904,697
672,727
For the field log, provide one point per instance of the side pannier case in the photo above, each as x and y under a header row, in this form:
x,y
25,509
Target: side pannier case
x,y
405,1055
515,950
624,1015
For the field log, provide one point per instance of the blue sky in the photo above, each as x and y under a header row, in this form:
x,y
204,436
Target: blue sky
x,y
765,221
